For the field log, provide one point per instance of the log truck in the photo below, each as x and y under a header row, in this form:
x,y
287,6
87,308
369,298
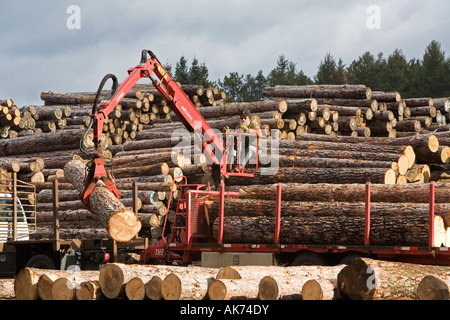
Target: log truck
x,y
192,239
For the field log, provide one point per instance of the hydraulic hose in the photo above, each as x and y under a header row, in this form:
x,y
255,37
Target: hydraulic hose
x,y
95,105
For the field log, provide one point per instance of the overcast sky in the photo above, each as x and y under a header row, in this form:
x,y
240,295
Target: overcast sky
x,y
48,46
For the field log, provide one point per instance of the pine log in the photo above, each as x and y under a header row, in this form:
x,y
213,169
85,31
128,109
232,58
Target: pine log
x,y
411,230
317,175
305,162
347,192
25,284
61,140
316,91
367,279
121,223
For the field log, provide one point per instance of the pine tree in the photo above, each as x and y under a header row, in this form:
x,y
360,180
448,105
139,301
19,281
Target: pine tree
x,y
433,75
396,75
232,85
181,71
326,69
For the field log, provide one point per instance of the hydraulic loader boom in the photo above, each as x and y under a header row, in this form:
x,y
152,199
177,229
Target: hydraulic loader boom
x,y
149,66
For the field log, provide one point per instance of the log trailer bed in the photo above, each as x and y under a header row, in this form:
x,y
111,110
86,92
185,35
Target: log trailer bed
x,y
195,239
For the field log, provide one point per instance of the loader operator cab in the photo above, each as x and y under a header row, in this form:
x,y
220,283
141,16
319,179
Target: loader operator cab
x,y
7,219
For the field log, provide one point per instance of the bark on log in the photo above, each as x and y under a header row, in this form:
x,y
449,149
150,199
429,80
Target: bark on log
x,y
367,279
344,91
317,175
61,140
121,223
347,192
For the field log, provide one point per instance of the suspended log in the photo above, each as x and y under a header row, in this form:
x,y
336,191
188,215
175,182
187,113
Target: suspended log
x,y
121,223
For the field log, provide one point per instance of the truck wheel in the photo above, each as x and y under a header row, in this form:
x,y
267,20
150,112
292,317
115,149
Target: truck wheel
x,y
41,261
350,257
308,259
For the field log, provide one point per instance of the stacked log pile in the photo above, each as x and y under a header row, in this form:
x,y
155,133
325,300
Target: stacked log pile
x,y
334,214
363,279
355,110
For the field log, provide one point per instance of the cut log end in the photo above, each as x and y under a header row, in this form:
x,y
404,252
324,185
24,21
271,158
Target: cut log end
x,y
433,143
25,285
445,155
124,225
432,288
111,279
153,288
63,289
268,289
171,287
228,273
135,289
354,282
390,177
312,290
217,290
87,291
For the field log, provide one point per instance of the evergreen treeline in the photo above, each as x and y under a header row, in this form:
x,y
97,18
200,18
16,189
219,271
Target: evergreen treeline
x,y
426,77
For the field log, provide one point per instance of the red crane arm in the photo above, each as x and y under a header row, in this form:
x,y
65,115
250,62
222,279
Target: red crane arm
x,y
181,105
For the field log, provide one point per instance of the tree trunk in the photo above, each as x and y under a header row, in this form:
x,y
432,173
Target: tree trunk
x,y
121,223
317,175
391,230
61,140
367,279
316,91
347,192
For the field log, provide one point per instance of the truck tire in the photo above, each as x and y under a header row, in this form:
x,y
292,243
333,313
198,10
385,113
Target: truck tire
x,y
308,259
348,258
41,261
